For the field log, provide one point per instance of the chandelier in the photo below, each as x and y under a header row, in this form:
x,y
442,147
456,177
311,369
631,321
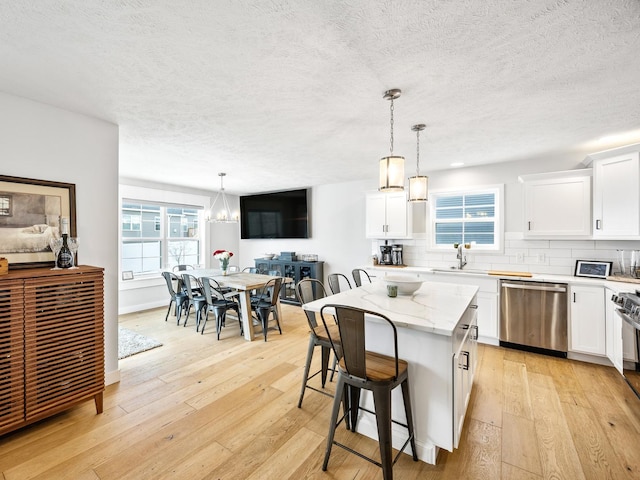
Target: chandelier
x,y
224,215
418,184
392,166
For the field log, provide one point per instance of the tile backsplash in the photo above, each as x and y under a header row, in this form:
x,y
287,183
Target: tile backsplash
x,y
522,255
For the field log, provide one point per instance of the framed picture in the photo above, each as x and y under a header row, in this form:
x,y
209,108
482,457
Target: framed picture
x,y
592,268
127,275
30,216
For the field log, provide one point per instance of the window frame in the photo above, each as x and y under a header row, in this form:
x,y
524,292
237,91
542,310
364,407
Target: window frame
x,y
498,218
163,220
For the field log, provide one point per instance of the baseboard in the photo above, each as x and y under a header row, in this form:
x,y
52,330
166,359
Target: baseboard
x,y
112,377
141,307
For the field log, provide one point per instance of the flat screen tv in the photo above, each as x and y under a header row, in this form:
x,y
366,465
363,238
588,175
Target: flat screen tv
x,y
274,215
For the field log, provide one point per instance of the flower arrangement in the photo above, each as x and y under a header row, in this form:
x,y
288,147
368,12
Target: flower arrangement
x,y
223,256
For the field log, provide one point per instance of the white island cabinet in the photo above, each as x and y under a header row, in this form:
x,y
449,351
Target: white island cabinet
x,y
437,334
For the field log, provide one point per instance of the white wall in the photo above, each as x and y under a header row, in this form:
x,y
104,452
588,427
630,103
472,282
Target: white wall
x,y
47,143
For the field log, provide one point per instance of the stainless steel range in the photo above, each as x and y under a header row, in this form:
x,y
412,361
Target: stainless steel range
x,y
629,311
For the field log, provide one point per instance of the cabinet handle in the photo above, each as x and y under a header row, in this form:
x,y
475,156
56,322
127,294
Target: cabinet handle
x,y
574,297
475,307
475,332
598,222
529,225
465,357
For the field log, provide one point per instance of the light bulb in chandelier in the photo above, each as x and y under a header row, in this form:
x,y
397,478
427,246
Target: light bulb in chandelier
x,y
419,184
223,215
391,166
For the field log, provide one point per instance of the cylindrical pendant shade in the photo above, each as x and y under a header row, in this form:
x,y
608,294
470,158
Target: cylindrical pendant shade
x,y
391,173
418,188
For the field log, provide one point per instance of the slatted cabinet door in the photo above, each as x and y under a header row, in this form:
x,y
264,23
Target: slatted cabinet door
x,y
11,356
64,342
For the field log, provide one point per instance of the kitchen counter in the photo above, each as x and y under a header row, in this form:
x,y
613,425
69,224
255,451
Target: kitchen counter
x,y
435,308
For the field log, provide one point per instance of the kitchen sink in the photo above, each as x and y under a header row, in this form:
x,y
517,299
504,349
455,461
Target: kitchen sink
x,y
464,270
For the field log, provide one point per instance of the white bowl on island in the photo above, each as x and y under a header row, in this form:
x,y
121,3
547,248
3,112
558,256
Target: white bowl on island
x,y
407,285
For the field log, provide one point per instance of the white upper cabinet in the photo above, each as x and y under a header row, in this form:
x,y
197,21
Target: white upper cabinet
x,y
386,215
557,204
616,193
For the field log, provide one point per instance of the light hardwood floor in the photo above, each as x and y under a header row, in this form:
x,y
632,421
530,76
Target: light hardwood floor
x,y
197,408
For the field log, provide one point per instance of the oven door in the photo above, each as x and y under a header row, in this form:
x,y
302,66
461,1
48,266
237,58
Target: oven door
x,y
630,350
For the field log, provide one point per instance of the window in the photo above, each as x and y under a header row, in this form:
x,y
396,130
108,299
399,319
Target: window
x,y
469,216
158,236
5,205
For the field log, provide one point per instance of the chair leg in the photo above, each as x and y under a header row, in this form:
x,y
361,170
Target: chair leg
x,y
307,365
409,414
334,368
263,314
204,321
169,309
354,406
187,317
337,400
382,401
275,315
326,351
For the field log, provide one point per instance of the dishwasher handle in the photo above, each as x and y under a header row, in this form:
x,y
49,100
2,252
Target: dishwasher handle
x,y
542,288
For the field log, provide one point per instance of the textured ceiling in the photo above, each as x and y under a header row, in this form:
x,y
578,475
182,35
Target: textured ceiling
x,y
288,93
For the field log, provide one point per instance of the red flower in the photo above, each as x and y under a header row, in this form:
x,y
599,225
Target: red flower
x,y
217,252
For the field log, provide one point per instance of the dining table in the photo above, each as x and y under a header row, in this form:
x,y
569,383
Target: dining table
x,y
243,283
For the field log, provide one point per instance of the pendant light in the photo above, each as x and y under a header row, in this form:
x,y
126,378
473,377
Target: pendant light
x,y
418,185
391,167
224,215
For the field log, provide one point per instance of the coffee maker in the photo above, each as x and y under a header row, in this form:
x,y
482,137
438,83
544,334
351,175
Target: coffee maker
x,y
396,255
385,255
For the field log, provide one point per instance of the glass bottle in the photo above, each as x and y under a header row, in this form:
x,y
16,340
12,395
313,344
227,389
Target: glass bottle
x,y
65,257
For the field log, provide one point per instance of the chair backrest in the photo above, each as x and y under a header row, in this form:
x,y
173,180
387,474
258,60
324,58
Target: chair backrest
x,y
335,281
250,269
358,275
275,273
170,278
211,289
308,290
190,282
182,268
270,291
352,328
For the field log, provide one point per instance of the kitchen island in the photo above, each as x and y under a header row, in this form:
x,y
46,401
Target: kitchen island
x,y
437,335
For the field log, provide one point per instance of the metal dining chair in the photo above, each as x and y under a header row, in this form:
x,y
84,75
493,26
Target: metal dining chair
x,y
337,282
358,275
220,303
265,303
177,294
196,299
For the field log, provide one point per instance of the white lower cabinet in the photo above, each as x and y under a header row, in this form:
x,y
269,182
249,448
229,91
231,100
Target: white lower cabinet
x,y
613,327
587,320
465,360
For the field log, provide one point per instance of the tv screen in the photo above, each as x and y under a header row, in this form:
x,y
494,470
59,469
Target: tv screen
x,y
274,215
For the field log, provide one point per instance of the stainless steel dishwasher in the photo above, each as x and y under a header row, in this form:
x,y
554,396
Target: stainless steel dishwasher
x,y
533,316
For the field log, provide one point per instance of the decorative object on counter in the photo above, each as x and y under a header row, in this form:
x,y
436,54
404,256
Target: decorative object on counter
x,y
74,243
406,285
223,256
268,256
396,255
392,166
635,263
392,291
288,256
55,244
418,185
4,266
224,215
65,256
621,260
27,226
309,257
592,268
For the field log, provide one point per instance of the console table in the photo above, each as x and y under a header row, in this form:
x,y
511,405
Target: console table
x,y
297,270
51,342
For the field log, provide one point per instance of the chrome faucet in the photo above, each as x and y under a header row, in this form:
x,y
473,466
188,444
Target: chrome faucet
x,y
462,259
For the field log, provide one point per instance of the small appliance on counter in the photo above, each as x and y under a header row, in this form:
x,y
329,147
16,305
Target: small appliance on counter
x,y
385,255
396,255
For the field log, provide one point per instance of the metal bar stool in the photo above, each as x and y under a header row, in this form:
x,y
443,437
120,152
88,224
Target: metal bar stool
x,y
380,374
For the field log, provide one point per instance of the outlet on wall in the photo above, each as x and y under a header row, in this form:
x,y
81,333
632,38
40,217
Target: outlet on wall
x,y
541,258
520,257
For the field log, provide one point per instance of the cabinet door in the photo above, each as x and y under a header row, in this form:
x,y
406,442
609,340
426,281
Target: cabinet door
x,y
376,217
616,197
396,215
587,311
11,355
613,331
558,207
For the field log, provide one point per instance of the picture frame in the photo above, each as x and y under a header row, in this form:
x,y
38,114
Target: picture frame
x,y
30,215
592,268
127,275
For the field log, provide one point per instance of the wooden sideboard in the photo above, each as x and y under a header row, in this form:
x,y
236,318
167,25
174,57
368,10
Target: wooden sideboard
x,y
51,342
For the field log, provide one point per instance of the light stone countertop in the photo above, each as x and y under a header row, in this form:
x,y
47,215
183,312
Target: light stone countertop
x,y
436,307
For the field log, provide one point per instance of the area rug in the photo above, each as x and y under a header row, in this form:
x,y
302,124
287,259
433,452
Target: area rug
x,y
130,343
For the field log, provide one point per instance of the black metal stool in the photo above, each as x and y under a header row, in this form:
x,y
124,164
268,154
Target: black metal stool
x,y
378,373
